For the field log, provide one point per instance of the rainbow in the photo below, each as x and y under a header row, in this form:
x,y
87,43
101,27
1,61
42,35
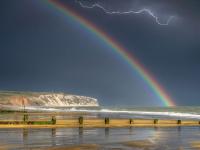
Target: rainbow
x,y
117,48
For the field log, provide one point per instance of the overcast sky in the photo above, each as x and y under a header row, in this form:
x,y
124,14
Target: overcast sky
x,y
43,50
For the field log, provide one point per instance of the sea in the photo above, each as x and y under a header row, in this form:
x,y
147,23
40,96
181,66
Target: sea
x,y
180,112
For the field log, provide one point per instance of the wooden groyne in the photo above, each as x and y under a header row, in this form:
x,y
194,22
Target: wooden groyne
x,y
95,122
109,122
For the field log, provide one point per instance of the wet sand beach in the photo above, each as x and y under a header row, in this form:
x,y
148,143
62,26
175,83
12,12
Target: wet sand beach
x,y
119,133
101,138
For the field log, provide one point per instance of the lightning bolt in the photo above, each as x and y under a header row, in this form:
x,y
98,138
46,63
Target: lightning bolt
x,y
144,10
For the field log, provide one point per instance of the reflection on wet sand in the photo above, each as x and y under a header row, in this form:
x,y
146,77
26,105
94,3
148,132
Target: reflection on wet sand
x,y
100,138
78,147
195,144
106,132
139,144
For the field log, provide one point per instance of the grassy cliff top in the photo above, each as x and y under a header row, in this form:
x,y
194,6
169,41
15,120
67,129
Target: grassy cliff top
x,y
28,93
4,95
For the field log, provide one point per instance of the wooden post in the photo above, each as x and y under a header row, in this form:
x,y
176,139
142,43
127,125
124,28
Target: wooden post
x,y
131,121
80,120
107,120
25,118
23,103
53,120
178,121
155,121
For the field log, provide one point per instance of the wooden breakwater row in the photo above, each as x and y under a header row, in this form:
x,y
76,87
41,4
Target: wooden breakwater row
x,y
96,122
109,122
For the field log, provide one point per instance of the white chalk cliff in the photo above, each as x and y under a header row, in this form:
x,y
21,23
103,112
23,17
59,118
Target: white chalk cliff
x,y
46,99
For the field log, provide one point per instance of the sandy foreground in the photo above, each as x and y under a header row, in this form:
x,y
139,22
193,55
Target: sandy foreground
x,y
78,147
99,122
195,144
71,120
107,139
138,144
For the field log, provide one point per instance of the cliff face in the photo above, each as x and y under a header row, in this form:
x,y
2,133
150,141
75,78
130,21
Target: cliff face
x,y
46,99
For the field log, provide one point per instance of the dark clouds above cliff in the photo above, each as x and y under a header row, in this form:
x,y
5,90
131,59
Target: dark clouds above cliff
x,y
42,50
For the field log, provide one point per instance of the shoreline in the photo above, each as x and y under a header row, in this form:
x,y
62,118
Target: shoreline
x,y
96,123
99,138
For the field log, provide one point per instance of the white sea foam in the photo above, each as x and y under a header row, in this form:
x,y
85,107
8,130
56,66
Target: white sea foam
x,y
143,113
162,114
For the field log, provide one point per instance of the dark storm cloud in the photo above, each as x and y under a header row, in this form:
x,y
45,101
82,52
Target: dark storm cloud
x,y
180,8
130,8
43,50
171,53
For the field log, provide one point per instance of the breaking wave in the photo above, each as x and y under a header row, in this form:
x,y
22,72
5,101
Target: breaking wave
x,y
124,113
143,113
